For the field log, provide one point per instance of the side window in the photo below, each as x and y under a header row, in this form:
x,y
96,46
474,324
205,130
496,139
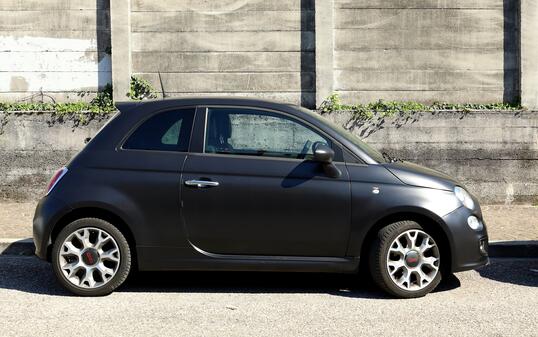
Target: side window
x,y
259,133
166,131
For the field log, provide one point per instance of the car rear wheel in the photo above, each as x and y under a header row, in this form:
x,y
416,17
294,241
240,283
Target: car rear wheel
x,y
91,257
405,260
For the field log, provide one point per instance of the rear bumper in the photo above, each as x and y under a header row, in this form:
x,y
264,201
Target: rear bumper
x,y
49,210
469,248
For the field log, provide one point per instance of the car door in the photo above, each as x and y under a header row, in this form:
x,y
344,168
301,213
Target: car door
x,y
253,189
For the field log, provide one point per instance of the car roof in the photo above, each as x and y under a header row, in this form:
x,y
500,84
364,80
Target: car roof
x,y
209,100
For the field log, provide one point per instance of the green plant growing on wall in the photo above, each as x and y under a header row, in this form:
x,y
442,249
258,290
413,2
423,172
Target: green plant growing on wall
x,y
141,89
79,112
381,108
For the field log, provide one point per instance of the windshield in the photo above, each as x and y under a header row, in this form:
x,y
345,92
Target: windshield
x,y
370,151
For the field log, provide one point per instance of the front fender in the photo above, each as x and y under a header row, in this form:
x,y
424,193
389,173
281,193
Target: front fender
x,y
396,202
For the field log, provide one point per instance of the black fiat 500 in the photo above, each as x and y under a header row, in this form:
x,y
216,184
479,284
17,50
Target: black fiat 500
x,y
240,184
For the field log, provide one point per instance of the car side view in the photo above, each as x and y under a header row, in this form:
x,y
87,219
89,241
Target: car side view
x,y
242,184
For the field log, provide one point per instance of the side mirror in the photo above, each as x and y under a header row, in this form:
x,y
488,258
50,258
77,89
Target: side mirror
x,y
323,154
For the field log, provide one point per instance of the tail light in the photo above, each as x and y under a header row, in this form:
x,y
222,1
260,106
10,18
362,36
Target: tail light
x,y
56,178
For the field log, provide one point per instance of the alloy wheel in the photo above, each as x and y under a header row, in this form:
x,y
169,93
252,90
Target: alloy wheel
x,y
89,258
413,260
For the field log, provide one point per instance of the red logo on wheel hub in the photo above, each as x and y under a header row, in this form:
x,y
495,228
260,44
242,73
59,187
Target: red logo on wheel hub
x,y
89,257
412,259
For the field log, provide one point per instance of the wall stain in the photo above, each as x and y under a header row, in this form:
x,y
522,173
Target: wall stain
x,y
18,83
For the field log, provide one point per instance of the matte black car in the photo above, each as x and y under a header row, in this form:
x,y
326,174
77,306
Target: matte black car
x,y
241,184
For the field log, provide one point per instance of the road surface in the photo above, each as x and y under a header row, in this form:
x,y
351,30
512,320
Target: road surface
x,y
499,300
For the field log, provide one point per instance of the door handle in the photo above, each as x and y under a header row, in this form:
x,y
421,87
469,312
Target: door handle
x,y
201,183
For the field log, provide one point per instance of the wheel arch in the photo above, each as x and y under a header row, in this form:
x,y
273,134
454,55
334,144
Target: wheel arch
x,y
94,212
431,223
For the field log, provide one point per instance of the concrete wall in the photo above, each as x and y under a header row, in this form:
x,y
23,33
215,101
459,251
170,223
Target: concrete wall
x,y
494,153
32,148
55,46
290,50
249,48
456,51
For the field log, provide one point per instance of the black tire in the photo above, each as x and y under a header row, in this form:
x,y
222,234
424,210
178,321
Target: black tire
x,y
124,264
378,260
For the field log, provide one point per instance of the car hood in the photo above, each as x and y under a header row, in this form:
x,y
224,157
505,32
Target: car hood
x,y
416,175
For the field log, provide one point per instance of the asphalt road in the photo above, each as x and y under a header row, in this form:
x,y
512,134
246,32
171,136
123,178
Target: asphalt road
x,y
499,300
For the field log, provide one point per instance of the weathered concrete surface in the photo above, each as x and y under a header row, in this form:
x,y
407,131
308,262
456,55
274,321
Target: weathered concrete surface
x,y
458,51
53,46
227,47
495,154
120,36
220,6
32,147
529,53
300,51
324,22
223,62
476,4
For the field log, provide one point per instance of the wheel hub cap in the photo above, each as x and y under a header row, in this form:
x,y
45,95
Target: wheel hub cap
x,y
90,257
412,258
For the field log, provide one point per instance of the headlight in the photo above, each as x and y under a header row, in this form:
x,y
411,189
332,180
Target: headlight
x,y
464,197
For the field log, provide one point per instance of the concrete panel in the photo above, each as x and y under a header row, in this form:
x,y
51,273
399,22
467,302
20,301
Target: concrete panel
x,y
420,80
412,59
120,36
34,41
55,20
286,97
324,50
231,82
459,20
452,96
38,97
529,53
360,39
419,4
54,61
455,135
52,81
221,5
52,4
223,22
223,41
145,62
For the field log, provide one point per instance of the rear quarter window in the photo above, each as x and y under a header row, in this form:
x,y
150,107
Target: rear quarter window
x,y
165,131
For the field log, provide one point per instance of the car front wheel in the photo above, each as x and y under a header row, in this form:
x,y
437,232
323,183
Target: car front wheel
x,y
405,260
91,257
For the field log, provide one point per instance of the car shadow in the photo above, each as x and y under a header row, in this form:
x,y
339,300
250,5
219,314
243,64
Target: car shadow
x,y
263,283
523,272
31,275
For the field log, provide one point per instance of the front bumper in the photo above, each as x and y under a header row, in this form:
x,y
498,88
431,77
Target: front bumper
x,y
48,212
469,248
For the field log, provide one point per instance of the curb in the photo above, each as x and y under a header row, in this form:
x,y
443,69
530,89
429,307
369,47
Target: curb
x,y
514,249
497,249
24,247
